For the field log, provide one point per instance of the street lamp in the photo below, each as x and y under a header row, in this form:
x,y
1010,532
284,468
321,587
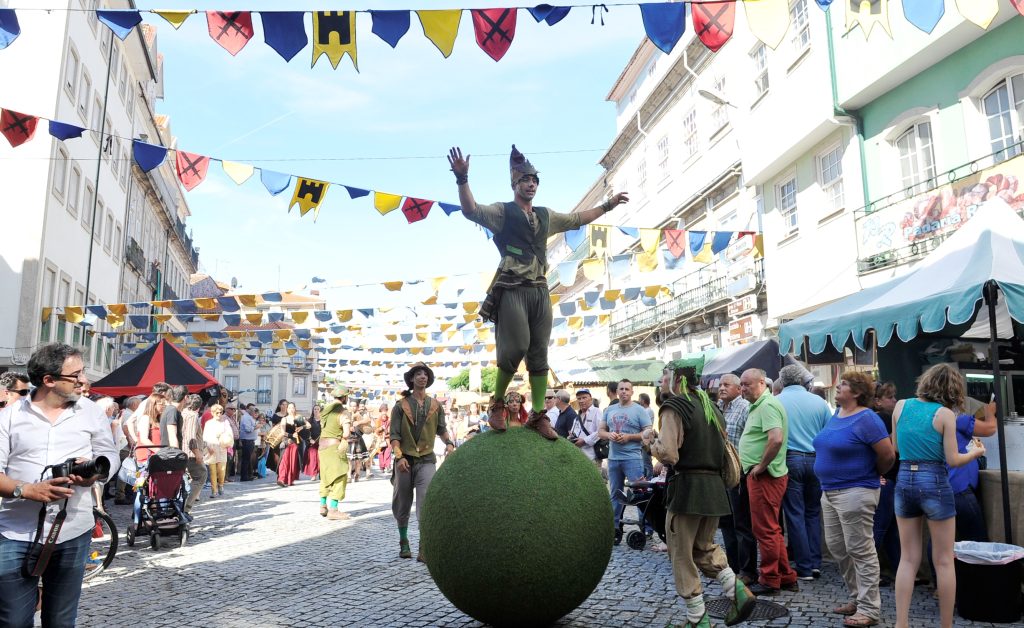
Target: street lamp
x,y
716,97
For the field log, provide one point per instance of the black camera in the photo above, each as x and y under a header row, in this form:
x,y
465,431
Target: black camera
x,y
97,466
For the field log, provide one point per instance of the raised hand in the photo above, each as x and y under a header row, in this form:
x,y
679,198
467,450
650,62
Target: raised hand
x,y
459,164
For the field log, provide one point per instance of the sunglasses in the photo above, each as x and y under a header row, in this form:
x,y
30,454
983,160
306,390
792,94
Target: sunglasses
x,y
549,397
21,393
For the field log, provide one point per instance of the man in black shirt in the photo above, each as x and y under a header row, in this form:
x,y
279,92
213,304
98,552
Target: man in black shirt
x,y
566,415
171,419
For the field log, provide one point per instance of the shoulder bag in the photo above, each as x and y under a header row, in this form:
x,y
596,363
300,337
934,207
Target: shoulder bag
x,y
601,447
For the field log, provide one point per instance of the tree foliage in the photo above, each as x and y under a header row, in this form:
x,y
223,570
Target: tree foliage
x,y
487,380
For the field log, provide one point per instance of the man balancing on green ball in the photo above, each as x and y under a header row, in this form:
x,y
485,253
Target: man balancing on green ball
x,y
518,301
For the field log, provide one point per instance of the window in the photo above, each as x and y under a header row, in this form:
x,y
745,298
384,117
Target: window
x,y
49,282
97,116
108,232
63,298
917,157
690,143
641,178
264,389
663,149
77,337
115,154
73,185
71,67
90,11
60,172
88,202
131,103
126,166
116,253
800,26
115,62
299,385
720,114
231,383
759,57
786,192
98,228
122,87
830,175
1004,108
84,93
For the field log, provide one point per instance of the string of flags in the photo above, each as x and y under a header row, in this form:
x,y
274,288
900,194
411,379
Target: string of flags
x,y
334,33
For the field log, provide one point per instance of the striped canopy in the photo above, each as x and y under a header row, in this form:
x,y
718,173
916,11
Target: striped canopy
x,y
943,289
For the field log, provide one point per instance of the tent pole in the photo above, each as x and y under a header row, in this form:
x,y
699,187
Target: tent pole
x,y
991,297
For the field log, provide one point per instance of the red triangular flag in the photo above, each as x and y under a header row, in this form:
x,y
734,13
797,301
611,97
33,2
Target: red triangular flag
x,y
675,240
495,29
713,22
191,168
18,128
1019,5
416,209
232,30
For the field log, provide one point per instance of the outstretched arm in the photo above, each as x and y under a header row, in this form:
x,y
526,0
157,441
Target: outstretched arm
x,y
590,215
460,166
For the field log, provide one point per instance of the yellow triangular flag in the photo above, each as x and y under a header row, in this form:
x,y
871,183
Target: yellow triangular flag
x,y
161,304
115,320
200,336
431,301
441,28
282,334
647,261
649,239
394,286
415,350
704,256
162,318
118,308
205,304
422,337
247,300
174,18
74,314
768,20
981,12
469,317
758,245
555,298
239,173
604,319
470,306
299,317
308,194
611,295
561,342
344,316
47,311
575,323
583,305
593,269
652,291
385,203
213,318
436,282
255,318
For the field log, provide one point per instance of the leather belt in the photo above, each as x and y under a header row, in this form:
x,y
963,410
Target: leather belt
x,y
329,442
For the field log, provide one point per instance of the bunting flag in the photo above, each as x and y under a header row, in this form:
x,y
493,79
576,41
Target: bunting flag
x,y
647,261
309,193
593,269
285,32
598,239
121,22
275,182
385,203
441,28
768,20
649,239
980,12
549,14
148,156
416,209
174,18
713,22
674,242
494,29
697,241
390,26
705,255
9,27
824,4
239,173
18,128
1017,4
867,13
719,241
924,14
334,35
671,261
64,131
232,30
664,23
191,168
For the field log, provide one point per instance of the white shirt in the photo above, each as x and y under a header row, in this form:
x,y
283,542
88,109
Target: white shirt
x,y
29,443
591,420
553,415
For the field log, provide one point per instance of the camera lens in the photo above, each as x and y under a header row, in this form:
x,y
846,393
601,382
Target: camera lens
x,y
100,466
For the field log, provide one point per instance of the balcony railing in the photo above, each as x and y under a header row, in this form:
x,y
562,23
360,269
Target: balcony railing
x,y
136,258
169,293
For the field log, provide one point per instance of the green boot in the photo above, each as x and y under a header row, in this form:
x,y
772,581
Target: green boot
x,y
406,551
742,606
705,622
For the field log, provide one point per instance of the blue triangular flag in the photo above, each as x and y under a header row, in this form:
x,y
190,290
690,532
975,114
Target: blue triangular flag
x,y
9,27
390,26
630,294
184,306
824,4
924,14
449,209
119,21
618,265
664,23
720,241
232,319
138,321
271,297
275,182
275,317
567,309
96,310
696,241
632,232
355,193
547,13
64,131
567,272
671,261
575,237
228,304
148,156
322,315
285,32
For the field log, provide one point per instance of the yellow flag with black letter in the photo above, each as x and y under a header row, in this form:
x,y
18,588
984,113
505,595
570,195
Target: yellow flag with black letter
x,y
867,13
334,34
309,193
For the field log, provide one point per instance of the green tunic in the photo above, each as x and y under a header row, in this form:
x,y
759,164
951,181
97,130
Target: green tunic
x,y
697,487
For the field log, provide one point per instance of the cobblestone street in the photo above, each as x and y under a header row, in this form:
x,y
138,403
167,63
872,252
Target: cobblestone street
x,y
263,556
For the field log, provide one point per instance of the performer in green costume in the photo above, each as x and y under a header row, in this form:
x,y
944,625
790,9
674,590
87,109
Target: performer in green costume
x,y
336,421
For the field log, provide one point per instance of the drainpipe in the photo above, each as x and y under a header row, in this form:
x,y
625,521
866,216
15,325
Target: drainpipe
x,y
858,122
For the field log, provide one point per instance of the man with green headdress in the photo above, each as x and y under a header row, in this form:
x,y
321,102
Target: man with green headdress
x,y
336,422
696,496
518,301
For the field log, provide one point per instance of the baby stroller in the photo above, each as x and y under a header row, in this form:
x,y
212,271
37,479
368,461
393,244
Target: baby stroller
x,y
649,499
161,489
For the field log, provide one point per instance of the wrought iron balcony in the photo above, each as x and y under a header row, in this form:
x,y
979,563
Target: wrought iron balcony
x,y
134,255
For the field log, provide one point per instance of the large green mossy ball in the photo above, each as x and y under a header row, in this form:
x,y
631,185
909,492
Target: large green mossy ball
x,y
516,529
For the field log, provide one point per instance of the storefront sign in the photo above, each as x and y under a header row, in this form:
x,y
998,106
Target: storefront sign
x,y
743,305
940,211
741,329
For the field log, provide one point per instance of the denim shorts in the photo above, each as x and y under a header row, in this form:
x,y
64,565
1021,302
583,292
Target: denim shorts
x,y
922,489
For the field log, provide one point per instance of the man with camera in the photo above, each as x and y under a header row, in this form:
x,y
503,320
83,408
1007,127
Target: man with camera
x,y
53,446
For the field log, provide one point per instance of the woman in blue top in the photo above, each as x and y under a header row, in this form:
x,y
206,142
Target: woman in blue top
x,y
853,451
924,432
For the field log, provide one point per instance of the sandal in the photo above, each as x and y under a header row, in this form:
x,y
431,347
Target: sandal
x,y
859,620
850,608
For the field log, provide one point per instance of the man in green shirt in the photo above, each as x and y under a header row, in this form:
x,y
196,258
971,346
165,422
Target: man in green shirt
x,y
415,421
518,301
763,458
336,422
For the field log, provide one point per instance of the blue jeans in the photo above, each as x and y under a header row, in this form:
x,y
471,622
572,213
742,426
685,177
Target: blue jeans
x,y
923,490
618,472
887,534
62,584
802,505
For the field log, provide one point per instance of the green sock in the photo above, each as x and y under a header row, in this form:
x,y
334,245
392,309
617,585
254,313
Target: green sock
x,y
334,504
403,533
538,386
501,382
323,501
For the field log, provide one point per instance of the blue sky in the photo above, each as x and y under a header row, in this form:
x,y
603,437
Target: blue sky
x,y
547,95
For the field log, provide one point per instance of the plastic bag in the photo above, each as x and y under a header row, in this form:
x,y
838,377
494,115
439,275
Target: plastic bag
x,y
978,553
129,471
